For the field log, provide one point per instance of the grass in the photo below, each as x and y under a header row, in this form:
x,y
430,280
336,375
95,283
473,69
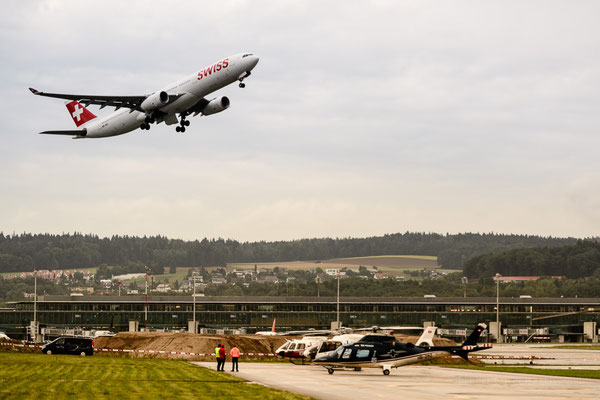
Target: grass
x,y
38,376
572,373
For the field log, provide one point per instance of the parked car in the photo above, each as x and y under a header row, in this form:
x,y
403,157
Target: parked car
x,y
70,345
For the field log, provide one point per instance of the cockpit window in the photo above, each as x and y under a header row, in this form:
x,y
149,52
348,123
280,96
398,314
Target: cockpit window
x,y
347,353
338,352
246,55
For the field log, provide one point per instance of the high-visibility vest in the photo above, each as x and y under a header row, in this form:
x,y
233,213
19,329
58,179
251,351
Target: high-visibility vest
x,y
217,352
235,352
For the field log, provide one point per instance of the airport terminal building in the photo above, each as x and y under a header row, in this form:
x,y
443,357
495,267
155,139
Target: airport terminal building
x,y
558,319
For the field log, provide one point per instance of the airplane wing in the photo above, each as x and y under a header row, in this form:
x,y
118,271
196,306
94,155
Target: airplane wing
x,y
131,102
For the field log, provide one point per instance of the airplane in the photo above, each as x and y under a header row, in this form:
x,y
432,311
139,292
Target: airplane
x,y
268,333
383,351
182,98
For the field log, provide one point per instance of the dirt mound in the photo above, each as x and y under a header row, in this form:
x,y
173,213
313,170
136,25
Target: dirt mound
x,y
190,343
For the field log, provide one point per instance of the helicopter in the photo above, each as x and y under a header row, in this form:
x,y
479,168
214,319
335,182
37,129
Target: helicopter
x,y
385,352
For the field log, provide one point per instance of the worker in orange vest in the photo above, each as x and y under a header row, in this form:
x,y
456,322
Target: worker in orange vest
x,y
235,355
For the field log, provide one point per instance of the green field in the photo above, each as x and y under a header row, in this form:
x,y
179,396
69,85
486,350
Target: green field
x,y
573,373
38,376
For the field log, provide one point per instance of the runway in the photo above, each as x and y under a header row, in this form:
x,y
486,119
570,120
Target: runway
x,y
543,355
413,382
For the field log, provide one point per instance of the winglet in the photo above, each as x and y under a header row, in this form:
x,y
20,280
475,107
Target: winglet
x,y
34,91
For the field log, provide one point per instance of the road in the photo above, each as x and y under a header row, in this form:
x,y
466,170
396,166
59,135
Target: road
x,y
414,382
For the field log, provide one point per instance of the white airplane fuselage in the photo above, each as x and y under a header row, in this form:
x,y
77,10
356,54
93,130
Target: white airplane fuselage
x,y
190,89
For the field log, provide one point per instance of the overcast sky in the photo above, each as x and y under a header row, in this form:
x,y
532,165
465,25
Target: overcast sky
x,y
360,119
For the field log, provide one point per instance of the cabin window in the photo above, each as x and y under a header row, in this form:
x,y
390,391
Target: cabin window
x,y
347,353
362,353
300,346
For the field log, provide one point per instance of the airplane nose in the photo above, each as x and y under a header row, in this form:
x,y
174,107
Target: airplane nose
x,y
254,61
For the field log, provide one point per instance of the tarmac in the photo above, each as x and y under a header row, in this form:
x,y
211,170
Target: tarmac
x,y
432,382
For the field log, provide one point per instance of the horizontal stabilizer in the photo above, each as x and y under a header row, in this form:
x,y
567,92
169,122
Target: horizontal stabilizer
x,y
79,132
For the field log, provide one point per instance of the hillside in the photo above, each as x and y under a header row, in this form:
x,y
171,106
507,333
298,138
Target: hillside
x,y
25,252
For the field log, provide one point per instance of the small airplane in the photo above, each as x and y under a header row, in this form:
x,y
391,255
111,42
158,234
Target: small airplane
x,y
182,98
383,351
268,333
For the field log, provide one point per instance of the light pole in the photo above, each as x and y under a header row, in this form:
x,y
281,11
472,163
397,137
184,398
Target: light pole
x,y
35,324
338,301
194,283
498,330
146,303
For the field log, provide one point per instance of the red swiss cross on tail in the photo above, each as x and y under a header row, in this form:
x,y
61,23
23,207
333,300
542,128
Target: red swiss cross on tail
x,y
79,113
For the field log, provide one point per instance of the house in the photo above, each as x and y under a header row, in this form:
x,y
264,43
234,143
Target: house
x,y
162,288
217,280
107,283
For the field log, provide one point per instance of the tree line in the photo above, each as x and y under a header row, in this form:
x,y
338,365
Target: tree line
x,y
26,251
579,260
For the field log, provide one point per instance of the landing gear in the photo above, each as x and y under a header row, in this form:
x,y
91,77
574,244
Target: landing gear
x,y
330,370
145,126
241,79
182,124
386,371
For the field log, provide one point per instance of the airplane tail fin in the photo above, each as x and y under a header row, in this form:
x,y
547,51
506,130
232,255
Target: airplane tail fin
x,y
273,328
470,344
79,113
426,338
474,336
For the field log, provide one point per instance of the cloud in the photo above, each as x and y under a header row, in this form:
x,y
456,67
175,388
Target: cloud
x,y
357,120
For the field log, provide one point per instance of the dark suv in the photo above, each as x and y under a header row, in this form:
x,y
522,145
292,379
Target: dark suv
x,y
70,345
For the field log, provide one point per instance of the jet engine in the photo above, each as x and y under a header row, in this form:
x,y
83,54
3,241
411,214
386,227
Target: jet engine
x,y
154,101
216,105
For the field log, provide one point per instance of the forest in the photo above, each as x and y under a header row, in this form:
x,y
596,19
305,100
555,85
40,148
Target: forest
x,y
26,251
572,261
